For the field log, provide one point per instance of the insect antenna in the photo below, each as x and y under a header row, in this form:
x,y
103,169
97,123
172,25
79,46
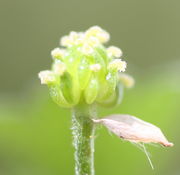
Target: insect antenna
x,y
147,155
142,147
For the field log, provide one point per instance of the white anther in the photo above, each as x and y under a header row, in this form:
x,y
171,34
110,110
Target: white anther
x,y
95,67
46,77
58,53
114,51
117,64
59,68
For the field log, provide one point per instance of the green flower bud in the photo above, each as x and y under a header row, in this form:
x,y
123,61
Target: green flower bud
x,y
84,73
84,70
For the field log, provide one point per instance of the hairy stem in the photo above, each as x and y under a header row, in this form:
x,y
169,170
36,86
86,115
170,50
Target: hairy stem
x,y
83,138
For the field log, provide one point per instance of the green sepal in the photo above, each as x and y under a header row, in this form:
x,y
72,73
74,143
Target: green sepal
x,y
69,81
91,90
100,60
57,96
102,52
72,60
84,73
66,85
108,87
70,88
76,91
116,98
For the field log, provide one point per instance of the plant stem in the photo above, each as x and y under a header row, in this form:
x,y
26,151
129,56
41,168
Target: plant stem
x,y
83,138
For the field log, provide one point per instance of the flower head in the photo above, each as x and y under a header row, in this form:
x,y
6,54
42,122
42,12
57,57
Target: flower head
x,y
85,69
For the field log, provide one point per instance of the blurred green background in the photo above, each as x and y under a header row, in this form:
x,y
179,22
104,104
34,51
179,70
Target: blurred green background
x,y
35,136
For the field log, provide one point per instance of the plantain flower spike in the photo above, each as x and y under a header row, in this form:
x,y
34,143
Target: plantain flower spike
x,y
84,70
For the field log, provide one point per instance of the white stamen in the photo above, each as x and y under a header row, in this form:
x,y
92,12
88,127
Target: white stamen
x,y
59,68
103,37
117,64
95,67
99,33
46,77
114,51
127,80
87,50
66,41
80,40
73,35
58,53
93,41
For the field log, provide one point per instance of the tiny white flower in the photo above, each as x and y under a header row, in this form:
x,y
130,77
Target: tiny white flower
x,y
103,37
95,67
80,39
86,49
93,41
59,68
93,30
114,51
117,64
66,41
99,33
46,77
58,53
73,35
